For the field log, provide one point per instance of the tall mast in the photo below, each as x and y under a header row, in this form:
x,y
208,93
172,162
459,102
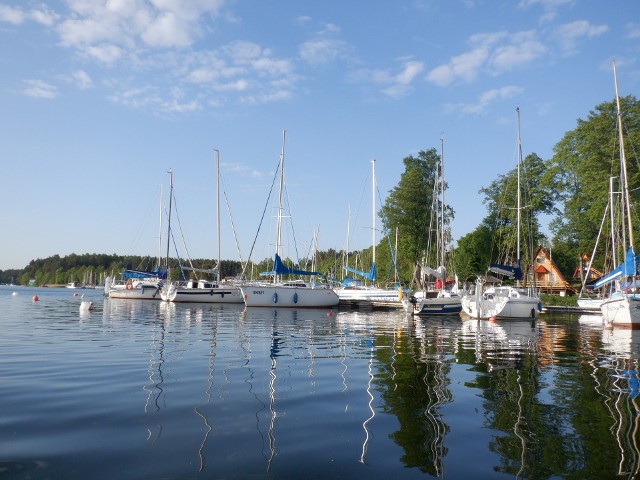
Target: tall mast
x,y
279,225
442,236
518,194
169,219
218,207
160,233
373,211
623,160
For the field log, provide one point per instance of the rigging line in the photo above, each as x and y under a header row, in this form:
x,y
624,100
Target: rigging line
x,y
275,176
233,226
184,242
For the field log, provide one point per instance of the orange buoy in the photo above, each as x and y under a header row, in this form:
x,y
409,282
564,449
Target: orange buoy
x,y
75,294
35,298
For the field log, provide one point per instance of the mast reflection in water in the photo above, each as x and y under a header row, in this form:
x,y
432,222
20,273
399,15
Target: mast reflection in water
x,y
138,389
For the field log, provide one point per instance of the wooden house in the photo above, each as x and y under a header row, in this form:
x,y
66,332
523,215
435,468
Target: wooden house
x,y
548,278
583,271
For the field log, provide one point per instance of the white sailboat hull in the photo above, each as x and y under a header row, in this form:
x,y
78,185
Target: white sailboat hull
x,y
621,310
370,294
269,295
501,302
213,294
142,291
444,304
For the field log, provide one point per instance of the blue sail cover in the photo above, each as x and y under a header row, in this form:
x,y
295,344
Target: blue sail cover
x,y
157,273
507,270
371,275
626,269
280,268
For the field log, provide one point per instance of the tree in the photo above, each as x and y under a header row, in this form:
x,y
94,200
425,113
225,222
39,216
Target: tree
x,y
582,164
409,209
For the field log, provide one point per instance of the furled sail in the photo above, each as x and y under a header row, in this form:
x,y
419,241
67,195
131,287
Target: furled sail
x,y
129,273
508,271
626,269
280,268
371,275
440,272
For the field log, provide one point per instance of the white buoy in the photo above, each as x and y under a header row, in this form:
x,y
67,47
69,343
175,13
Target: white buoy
x,y
15,294
85,304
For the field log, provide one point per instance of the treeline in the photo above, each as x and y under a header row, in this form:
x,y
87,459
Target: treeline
x,y
92,268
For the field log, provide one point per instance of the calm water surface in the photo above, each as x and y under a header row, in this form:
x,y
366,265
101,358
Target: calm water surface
x,y
149,390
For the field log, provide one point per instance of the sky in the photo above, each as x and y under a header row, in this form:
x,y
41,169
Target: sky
x,y
101,98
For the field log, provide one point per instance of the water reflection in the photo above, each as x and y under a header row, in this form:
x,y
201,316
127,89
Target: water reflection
x,y
180,391
622,350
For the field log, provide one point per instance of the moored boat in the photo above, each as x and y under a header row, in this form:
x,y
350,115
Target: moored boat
x,y
282,293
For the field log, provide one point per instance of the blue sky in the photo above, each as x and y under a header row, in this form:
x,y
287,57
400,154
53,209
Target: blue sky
x,y
100,98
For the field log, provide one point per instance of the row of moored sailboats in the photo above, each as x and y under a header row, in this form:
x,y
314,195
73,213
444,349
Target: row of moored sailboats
x,y
437,293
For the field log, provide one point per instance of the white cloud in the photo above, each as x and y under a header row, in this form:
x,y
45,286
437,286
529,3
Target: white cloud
x,y
633,30
392,84
493,52
82,79
321,51
522,49
40,89
569,34
485,100
550,7
11,15
17,16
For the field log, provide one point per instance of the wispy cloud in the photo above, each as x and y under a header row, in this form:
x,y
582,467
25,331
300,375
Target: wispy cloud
x,y
394,84
492,53
42,14
549,7
324,47
569,35
82,79
131,41
633,30
485,100
40,89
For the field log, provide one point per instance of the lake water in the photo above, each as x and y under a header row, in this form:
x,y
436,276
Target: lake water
x,y
149,390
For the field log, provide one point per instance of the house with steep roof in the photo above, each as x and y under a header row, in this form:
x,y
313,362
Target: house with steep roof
x,y
548,278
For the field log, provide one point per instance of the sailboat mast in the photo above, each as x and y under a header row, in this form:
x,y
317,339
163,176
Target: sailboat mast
x,y
160,233
442,236
373,211
279,224
623,160
518,193
169,219
218,208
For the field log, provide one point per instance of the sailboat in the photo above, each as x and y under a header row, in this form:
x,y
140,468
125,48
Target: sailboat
x,y
622,306
436,299
205,291
354,291
504,301
137,284
585,301
281,293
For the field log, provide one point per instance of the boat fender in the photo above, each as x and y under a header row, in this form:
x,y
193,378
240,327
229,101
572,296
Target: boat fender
x,y
245,297
275,298
295,297
129,285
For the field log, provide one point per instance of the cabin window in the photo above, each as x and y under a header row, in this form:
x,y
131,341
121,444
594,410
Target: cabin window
x,y
540,259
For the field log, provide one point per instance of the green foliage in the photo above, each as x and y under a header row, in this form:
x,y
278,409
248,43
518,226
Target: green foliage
x,y
410,210
582,164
